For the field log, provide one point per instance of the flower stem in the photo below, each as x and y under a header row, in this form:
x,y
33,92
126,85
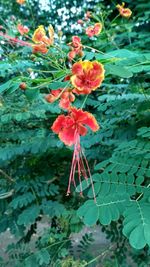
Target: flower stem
x,y
84,101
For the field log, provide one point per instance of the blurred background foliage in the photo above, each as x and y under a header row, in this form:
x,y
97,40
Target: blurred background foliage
x,y
34,163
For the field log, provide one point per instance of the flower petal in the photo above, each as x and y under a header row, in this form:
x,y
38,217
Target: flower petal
x,y
67,135
97,28
38,34
91,122
77,68
58,124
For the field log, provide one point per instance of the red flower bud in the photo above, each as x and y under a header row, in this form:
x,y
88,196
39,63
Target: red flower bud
x,y
23,86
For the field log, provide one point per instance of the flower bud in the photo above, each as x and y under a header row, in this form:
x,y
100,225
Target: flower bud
x,y
23,86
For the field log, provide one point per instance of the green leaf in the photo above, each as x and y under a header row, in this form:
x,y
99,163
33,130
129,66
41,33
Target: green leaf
x,y
137,224
29,215
53,208
5,86
89,212
23,200
106,209
117,70
39,258
32,94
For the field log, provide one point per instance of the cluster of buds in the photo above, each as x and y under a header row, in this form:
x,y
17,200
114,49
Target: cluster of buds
x,y
76,48
66,97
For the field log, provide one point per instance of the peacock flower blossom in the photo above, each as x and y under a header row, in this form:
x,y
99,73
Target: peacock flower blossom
x,y
87,76
94,30
69,129
22,29
76,48
39,36
39,48
21,2
66,97
124,12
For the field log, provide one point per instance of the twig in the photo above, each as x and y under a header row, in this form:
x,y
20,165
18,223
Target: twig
x,y
7,194
9,178
101,255
52,180
142,193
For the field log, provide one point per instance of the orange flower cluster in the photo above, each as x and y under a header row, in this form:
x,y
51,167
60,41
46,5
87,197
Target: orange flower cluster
x,y
76,48
94,30
39,37
124,12
22,29
41,40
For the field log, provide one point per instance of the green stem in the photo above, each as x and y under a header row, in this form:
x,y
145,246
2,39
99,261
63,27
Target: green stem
x,y
84,101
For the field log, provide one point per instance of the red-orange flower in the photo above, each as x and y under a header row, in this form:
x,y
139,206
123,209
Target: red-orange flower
x,y
94,30
22,29
87,76
124,12
39,36
69,129
21,2
39,48
66,97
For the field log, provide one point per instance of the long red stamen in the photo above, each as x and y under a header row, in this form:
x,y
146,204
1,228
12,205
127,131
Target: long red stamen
x,y
72,173
79,160
89,172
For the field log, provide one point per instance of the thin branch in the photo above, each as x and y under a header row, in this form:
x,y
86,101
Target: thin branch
x,y
9,178
100,255
6,195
